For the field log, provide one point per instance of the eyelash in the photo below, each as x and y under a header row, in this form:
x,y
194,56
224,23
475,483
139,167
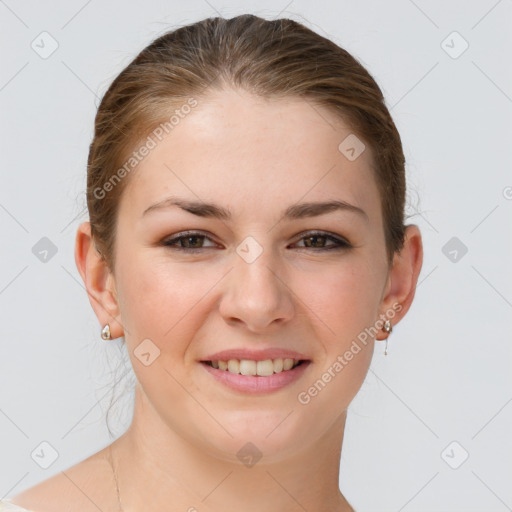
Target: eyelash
x,y
338,242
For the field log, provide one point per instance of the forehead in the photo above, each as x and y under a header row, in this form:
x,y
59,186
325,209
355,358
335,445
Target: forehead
x,y
255,155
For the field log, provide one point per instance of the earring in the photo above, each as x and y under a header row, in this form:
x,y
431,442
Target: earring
x,y
388,328
105,332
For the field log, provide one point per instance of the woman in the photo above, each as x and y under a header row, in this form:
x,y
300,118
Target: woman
x,y
246,192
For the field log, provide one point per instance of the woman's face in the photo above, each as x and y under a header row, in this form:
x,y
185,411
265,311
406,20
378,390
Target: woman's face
x,y
257,280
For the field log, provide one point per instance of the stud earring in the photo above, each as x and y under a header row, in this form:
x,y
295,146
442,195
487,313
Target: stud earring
x,y
388,328
105,332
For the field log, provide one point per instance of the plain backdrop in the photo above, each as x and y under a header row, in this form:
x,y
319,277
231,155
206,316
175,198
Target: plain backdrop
x,y
430,428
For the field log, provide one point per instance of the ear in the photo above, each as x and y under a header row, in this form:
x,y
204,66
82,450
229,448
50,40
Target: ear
x,y
99,281
403,277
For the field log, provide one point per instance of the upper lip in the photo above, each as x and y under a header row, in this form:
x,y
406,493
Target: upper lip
x,y
255,355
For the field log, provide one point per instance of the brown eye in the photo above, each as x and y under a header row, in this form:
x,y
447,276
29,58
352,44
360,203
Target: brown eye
x,y
318,240
193,241
190,241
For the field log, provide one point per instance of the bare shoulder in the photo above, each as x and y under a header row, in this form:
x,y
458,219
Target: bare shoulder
x,y
85,486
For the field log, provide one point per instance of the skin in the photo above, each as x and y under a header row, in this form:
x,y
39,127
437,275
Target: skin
x,y
255,157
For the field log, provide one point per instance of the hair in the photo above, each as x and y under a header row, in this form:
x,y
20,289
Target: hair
x,y
270,58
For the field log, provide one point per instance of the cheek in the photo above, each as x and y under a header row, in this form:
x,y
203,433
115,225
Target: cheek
x,y
342,305
158,300
343,299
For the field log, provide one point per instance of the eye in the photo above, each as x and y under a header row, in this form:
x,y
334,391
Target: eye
x,y
188,240
313,238
192,241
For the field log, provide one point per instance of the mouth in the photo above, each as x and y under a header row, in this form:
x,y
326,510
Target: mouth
x,y
249,376
249,367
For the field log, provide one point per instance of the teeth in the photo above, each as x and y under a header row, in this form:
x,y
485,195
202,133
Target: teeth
x,y
260,368
288,364
233,366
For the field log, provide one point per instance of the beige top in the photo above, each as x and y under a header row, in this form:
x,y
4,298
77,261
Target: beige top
x,y
7,506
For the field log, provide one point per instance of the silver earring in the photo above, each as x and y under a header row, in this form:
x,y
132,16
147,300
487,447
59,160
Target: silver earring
x,y
388,328
105,332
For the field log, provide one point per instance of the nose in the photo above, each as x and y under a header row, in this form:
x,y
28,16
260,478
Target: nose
x,y
256,294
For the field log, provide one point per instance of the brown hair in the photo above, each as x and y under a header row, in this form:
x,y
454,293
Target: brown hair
x,y
278,58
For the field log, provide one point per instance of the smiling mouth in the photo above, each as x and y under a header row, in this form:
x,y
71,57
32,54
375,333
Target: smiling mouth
x,y
264,368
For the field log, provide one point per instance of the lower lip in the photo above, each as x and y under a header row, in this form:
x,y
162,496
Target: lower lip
x,y
253,384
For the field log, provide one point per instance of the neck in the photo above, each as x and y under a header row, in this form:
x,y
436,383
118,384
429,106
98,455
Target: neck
x,y
154,464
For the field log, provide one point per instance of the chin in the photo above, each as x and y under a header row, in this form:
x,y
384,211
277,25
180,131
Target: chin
x,y
273,437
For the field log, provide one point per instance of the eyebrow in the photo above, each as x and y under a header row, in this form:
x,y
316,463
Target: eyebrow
x,y
296,211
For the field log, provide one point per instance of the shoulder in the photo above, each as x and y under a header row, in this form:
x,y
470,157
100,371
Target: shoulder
x,y
86,486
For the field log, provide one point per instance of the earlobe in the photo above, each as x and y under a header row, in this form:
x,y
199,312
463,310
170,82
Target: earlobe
x,y
98,280
403,279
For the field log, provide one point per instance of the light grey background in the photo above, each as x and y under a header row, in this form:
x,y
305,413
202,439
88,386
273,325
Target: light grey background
x,y
447,374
